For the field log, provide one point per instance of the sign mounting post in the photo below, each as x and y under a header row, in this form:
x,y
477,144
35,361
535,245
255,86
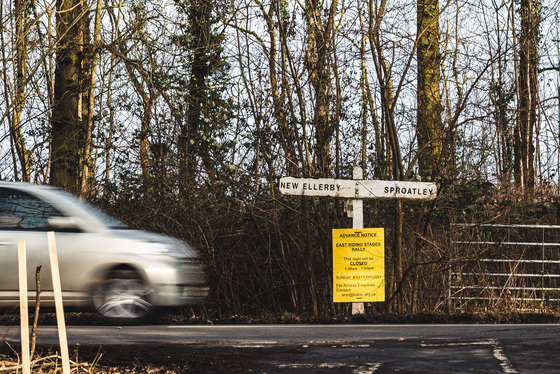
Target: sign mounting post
x,y
358,223
356,190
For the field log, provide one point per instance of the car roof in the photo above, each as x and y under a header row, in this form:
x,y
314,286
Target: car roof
x,y
65,202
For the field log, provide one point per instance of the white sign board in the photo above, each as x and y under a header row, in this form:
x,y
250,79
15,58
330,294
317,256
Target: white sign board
x,y
358,189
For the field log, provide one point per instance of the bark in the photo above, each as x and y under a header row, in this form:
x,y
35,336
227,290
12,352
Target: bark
x,y
364,85
387,94
19,100
37,308
500,99
279,84
388,100
85,184
429,124
319,44
204,48
527,91
197,119
149,95
66,131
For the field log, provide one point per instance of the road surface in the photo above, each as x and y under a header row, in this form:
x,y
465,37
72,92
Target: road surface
x,y
469,348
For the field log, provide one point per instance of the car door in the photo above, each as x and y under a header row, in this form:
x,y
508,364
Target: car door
x,y
25,217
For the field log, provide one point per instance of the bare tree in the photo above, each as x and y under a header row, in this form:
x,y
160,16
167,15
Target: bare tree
x,y
319,47
86,180
429,123
67,119
22,30
527,95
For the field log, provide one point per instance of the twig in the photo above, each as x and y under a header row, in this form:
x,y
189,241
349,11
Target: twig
x,y
37,305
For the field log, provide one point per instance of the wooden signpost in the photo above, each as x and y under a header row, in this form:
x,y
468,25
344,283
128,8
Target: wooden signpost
x,y
356,190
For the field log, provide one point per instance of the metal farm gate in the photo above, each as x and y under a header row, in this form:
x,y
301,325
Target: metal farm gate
x,y
504,266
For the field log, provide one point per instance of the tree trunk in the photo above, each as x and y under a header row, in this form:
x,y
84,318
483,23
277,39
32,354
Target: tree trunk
x,y
388,100
85,184
429,124
278,89
148,96
203,46
319,43
527,92
66,127
20,83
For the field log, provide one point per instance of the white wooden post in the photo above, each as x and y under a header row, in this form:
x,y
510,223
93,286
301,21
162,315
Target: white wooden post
x,y
58,303
23,308
357,204
358,223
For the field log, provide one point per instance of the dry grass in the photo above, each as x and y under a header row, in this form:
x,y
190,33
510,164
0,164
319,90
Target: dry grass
x,y
52,364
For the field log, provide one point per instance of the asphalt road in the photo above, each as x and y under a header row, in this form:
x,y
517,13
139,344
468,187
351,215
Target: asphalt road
x,y
472,348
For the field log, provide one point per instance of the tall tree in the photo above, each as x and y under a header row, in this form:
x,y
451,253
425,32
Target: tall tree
x,y
388,96
66,125
319,45
22,29
429,124
143,81
279,90
87,169
527,95
206,111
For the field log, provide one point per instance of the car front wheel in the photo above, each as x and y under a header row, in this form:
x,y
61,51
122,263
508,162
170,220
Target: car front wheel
x,y
124,298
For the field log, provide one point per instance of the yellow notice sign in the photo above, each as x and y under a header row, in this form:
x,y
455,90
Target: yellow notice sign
x,y
358,265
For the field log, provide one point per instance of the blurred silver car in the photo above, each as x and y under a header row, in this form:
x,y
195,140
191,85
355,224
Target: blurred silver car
x,y
125,275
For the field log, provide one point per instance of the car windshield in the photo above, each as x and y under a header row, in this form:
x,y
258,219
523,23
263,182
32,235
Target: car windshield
x,y
104,218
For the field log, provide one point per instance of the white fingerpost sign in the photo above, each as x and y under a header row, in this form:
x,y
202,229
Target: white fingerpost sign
x,y
357,190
